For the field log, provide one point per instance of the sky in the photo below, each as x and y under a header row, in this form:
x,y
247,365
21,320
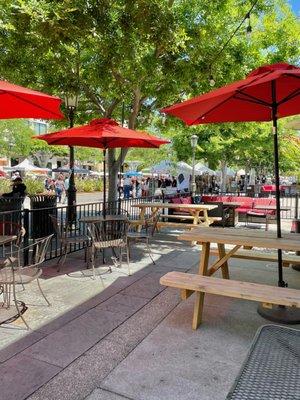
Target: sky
x,y
295,6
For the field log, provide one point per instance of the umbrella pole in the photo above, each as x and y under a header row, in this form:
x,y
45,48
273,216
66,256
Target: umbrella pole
x,y
104,183
280,314
281,282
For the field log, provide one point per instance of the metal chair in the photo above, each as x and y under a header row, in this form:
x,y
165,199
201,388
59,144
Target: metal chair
x,y
8,269
106,234
63,235
14,271
147,232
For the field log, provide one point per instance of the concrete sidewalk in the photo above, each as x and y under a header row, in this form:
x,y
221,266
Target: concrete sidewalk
x,y
132,339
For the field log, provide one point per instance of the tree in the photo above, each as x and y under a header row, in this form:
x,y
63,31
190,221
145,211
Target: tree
x,y
142,54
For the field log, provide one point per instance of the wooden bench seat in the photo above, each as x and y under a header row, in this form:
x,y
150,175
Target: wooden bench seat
x,y
230,288
176,224
287,259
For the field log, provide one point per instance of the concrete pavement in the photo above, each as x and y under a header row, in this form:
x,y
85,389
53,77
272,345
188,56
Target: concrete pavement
x,y
131,339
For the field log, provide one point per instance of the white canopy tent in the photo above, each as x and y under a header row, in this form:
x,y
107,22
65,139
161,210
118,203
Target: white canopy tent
x,y
27,166
201,169
229,172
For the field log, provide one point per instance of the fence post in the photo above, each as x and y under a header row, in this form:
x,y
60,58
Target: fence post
x,y
296,205
27,234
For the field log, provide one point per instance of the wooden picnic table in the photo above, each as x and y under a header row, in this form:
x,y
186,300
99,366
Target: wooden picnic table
x,y
237,238
194,209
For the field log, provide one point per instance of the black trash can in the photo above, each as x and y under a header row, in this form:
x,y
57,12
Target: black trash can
x,y
42,206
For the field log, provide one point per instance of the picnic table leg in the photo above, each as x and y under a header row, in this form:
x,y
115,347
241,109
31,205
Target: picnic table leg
x,y
225,270
199,296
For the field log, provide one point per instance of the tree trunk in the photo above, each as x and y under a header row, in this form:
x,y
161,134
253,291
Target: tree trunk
x,y
114,163
223,176
113,169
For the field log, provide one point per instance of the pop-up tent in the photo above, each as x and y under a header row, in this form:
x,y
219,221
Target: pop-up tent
x,y
27,166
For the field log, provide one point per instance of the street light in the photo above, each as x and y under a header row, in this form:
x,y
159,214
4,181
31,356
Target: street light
x,y
194,141
71,102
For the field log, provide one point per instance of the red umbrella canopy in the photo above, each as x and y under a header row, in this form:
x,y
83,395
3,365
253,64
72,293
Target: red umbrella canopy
x,y
19,102
250,99
103,133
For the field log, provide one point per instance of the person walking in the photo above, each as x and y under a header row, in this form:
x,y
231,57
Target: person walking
x,y
67,185
127,187
59,187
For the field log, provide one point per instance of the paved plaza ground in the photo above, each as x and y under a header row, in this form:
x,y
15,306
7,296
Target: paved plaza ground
x,y
130,338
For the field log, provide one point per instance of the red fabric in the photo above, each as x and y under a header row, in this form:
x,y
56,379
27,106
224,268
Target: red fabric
x,y
262,202
19,102
243,209
208,198
221,105
186,200
175,200
258,213
102,133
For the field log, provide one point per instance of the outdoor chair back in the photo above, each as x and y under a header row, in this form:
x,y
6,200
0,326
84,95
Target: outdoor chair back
x,y
108,233
13,271
8,228
150,225
111,234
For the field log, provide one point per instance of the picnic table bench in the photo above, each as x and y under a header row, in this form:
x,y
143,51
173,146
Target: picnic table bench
x,y
204,283
198,214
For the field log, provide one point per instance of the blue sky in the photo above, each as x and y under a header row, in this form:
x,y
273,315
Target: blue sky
x,y
295,6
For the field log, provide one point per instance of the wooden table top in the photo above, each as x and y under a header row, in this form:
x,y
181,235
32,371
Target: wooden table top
x,y
243,237
4,239
174,205
100,218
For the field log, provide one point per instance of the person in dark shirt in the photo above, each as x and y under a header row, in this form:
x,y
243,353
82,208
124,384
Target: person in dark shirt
x,y
18,189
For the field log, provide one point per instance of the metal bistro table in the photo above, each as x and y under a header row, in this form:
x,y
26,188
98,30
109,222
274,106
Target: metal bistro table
x,y
272,367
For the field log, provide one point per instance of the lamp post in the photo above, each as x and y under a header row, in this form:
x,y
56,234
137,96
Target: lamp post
x,y
71,102
194,141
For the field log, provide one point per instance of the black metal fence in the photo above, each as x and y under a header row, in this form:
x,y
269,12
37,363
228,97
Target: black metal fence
x,y
37,221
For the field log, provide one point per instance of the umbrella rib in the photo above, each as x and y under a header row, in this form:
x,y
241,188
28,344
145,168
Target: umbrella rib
x,y
30,102
145,140
289,97
251,99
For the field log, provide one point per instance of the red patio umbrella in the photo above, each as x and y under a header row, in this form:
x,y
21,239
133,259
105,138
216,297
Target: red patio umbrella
x,y
268,93
19,102
103,133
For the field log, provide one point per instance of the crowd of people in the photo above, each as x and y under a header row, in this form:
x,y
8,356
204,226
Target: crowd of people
x,y
140,187
58,186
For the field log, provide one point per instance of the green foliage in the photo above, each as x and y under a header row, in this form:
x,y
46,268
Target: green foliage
x,y
89,185
5,185
34,186
146,55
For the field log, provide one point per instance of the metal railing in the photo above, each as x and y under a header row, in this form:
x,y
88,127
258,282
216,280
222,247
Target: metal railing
x,y
37,222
